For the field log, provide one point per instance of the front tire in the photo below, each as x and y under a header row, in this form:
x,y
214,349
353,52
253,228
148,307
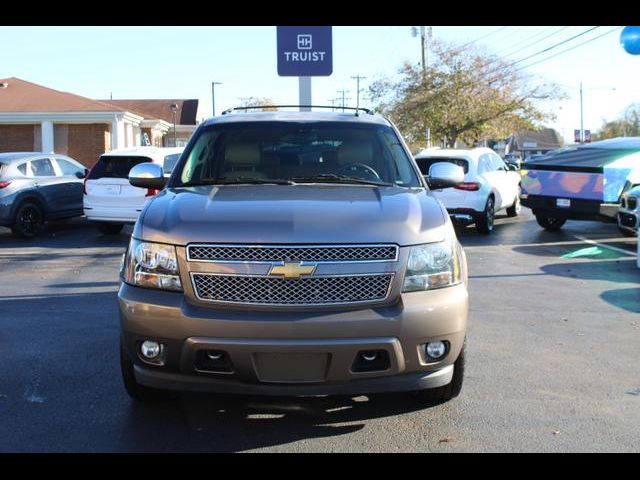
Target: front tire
x,y
549,222
450,391
484,223
109,228
136,391
29,220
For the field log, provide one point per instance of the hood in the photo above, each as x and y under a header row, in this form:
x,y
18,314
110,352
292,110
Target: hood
x,y
293,214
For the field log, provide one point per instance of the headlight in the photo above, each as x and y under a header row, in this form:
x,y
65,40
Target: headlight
x,y
151,265
433,265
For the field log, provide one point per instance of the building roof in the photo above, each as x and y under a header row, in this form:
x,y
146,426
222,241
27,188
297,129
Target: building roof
x,y
17,95
544,139
161,109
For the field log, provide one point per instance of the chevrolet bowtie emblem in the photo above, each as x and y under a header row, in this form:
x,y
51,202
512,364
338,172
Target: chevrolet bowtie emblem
x,y
292,270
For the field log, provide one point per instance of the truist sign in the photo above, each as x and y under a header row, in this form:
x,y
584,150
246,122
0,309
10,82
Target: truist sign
x,y
305,51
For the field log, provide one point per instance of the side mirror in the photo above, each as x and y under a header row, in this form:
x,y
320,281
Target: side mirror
x,y
147,175
512,167
444,175
82,174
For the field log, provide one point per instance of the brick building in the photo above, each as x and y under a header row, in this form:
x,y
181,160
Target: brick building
x,y
37,118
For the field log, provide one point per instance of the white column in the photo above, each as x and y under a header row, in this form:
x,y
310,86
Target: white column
x,y
114,134
46,132
128,128
137,134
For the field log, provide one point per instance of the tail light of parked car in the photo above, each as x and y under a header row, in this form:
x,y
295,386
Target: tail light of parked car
x,y
468,186
4,184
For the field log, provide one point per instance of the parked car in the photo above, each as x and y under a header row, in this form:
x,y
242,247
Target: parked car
x,y
581,182
294,253
489,186
514,159
109,200
629,212
36,187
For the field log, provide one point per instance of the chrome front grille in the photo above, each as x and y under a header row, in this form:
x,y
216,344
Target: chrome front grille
x,y
268,254
322,290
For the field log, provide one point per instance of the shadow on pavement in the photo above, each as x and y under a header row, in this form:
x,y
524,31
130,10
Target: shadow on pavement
x,y
71,233
227,423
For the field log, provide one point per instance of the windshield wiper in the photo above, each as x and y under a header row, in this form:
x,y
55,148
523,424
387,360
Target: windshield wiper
x,y
335,178
253,181
239,181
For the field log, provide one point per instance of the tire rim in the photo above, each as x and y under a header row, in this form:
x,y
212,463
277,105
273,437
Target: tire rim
x,y
30,220
490,215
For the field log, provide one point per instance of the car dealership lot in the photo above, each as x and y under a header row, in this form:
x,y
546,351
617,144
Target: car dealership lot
x,y
552,357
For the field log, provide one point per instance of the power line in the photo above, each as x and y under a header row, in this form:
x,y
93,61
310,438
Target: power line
x,y
534,43
516,62
570,48
483,37
556,45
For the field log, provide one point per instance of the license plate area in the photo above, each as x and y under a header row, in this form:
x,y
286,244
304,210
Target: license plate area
x,y
112,189
275,367
563,202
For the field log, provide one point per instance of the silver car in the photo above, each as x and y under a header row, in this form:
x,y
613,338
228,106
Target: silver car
x,y
35,187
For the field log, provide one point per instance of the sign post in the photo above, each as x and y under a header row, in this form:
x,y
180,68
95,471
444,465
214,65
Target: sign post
x,y
305,52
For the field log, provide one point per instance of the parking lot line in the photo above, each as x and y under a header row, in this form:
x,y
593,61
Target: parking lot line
x,y
602,245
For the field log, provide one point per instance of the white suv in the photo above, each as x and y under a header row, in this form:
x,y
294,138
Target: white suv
x,y
489,186
109,199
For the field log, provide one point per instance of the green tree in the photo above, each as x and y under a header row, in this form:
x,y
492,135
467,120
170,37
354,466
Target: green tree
x,y
628,125
466,95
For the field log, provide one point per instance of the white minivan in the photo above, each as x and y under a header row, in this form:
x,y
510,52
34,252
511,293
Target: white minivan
x,y
109,199
489,185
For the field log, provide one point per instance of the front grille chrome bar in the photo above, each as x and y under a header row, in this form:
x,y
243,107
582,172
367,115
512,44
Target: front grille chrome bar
x,y
226,253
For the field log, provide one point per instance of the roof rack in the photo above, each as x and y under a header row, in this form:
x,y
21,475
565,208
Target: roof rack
x,y
366,110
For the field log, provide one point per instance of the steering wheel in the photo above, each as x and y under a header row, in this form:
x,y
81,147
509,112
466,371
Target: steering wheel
x,y
354,168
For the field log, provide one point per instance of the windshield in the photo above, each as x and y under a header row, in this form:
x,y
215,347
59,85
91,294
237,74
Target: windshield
x,y
293,152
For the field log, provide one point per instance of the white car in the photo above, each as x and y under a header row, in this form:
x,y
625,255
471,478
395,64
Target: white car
x,y
109,199
489,186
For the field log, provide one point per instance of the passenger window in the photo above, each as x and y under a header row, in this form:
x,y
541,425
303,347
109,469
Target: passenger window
x,y
497,161
68,168
484,165
22,168
42,168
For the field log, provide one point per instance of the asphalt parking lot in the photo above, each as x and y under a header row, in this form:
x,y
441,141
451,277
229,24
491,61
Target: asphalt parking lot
x,y
552,358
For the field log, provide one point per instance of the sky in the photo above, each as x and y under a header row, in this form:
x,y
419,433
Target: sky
x,y
181,62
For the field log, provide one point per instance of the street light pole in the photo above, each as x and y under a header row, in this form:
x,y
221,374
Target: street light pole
x,y
174,109
213,96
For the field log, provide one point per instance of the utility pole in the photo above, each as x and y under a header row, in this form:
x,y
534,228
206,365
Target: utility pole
x,y
342,92
357,79
213,96
425,35
333,103
581,117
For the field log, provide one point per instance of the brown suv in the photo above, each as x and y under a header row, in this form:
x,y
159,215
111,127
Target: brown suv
x,y
294,253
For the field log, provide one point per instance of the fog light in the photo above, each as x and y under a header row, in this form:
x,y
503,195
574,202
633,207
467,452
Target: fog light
x,y
436,350
150,349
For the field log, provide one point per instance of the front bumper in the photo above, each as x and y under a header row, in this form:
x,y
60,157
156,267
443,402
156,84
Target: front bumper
x,y
299,352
